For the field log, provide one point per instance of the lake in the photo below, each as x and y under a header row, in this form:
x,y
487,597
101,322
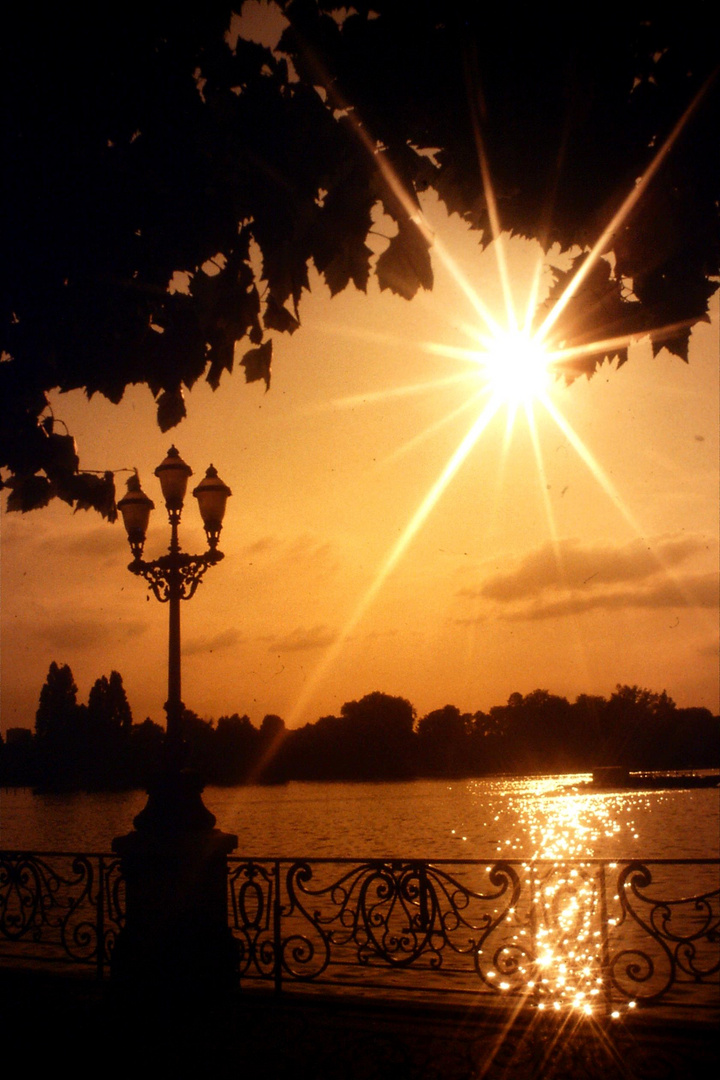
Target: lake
x,y
514,818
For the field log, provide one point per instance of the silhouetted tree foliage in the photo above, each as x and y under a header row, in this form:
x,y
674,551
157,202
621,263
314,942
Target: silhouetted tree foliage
x,y
147,143
443,742
146,753
376,738
236,743
59,730
108,724
58,701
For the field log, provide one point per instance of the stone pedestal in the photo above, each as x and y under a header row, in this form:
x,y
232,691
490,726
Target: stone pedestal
x,y
176,940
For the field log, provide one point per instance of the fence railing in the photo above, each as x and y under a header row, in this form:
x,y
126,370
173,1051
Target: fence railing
x,y
597,935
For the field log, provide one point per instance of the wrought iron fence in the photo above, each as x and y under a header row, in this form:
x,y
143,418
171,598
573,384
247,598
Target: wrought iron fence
x,y
596,935
60,908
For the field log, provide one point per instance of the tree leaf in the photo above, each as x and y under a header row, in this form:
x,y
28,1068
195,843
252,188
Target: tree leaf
x,y
257,363
91,492
28,493
596,312
278,318
404,266
170,408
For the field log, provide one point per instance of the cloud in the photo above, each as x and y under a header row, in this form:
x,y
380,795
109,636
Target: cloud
x,y
691,590
289,554
575,565
224,640
576,578
710,650
106,542
51,539
87,632
301,639
259,547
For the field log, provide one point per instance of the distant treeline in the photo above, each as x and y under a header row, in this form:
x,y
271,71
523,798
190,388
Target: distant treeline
x,y
97,746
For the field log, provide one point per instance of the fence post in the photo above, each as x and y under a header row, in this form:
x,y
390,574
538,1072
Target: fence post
x,y
100,919
605,943
277,933
424,915
533,920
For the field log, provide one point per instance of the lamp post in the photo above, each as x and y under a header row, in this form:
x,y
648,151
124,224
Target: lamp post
x,y
175,576
176,935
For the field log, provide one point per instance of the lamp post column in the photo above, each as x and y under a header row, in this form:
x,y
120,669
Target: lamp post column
x,y
174,705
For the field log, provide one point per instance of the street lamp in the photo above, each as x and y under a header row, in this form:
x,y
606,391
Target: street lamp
x,y
175,576
176,937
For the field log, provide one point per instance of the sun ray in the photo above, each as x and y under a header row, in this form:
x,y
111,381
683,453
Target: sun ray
x,y
491,203
411,529
577,638
609,488
560,359
431,429
533,295
494,325
464,353
409,390
603,242
592,463
544,486
498,349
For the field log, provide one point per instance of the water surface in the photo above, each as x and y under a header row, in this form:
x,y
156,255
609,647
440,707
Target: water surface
x,y
538,817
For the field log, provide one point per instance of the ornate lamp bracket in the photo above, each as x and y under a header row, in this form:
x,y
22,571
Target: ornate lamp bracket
x,y
175,574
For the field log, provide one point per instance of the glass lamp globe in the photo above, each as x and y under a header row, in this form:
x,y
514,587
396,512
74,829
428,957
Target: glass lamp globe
x,y
135,507
212,495
173,475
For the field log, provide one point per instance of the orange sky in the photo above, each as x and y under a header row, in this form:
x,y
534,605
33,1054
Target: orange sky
x,y
561,578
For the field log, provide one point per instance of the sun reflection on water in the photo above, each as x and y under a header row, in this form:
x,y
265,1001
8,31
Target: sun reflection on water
x,y
554,950
553,817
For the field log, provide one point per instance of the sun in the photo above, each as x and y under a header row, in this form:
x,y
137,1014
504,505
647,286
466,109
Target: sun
x,y
512,368
516,366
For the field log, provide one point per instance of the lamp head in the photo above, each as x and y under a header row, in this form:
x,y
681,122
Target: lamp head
x,y
212,495
135,508
173,475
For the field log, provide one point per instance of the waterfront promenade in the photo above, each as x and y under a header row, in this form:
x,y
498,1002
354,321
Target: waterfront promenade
x,y
53,1018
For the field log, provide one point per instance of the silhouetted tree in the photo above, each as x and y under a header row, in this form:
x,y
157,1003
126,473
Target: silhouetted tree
x,y
199,737
58,701
235,749
695,739
375,738
59,729
443,738
589,724
146,752
320,751
271,764
637,727
108,704
378,731
106,738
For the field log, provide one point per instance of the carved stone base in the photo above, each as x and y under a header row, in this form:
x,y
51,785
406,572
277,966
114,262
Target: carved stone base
x,y
176,941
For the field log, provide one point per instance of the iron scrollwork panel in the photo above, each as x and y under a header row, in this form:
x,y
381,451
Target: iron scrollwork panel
x,y
390,914
52,901
660,943
113,904
252,901
552,952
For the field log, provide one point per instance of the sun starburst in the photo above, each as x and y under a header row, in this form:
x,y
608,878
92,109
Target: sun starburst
x,y
516,366
510,363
